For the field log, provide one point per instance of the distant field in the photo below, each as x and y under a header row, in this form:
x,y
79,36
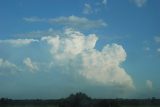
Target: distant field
x,y
57,106
30,106
140,106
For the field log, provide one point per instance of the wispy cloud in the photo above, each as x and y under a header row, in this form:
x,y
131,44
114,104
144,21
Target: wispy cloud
x,y
37,34
158,50
7,67
157,39
104,2
94,8
147,49
76,22
18,42
32,66
87,9
34,19
80,22
149,84
139,3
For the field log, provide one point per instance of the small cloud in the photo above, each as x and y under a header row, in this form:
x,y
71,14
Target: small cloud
x,y
104,2
158,50
7,67
149,84
76,22
147,49
31,65
79,22
95,8
34,19
87,9
157,39
37,34
139,3
18,42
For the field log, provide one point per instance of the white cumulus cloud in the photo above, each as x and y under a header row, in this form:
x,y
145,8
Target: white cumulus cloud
x,y
76,53
30,64
18,42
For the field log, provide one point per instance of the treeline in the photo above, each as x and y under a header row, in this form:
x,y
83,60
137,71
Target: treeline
x,y
81,100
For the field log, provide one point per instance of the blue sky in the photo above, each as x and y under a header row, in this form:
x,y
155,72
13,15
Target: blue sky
x,y
104,48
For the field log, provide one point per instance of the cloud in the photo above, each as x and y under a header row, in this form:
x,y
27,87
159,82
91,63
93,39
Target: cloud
x,y
76,22
104,2
34,19
37,34
18,42
80,22
87,9
7,67
158,50
73,44
94,8
139,3
157,39
147,49
31,65
75,53
149,84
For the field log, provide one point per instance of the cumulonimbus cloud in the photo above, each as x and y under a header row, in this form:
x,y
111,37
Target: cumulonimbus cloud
x,y
76,53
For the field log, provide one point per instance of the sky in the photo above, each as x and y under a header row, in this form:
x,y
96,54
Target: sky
x,y
104,48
